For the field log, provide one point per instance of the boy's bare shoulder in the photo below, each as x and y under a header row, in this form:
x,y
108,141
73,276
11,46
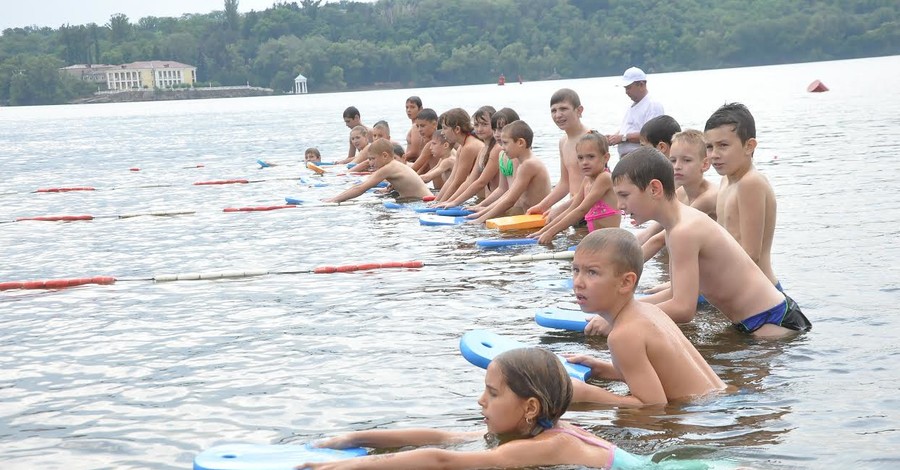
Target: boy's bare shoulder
x,y
753,181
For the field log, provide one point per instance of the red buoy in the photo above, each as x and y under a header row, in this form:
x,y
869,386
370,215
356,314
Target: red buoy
x,y
64,190
134,169
429,198
816,87
57,283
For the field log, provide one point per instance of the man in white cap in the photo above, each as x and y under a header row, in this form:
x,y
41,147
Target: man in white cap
x,y
642,110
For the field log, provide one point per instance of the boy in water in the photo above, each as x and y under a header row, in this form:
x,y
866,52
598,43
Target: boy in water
x,y
312,155
401,177
443,157
648,350
745,205
530,180
352,120
690,162
703,256
414,140
658,132
426,125
565,109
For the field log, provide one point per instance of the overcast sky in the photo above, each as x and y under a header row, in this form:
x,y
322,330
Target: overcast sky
x,y
55,13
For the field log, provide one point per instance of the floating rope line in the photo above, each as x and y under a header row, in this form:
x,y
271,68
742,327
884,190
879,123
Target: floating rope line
x,y
212,276
64,190
75,218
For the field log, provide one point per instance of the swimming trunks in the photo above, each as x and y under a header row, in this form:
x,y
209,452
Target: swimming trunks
x,y
506,164
787,314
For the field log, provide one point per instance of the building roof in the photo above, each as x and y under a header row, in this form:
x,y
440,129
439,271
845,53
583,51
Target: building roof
x,y
156,64
299,77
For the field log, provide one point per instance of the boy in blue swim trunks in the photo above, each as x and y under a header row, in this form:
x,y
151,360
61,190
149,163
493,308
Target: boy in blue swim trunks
x,y
703,256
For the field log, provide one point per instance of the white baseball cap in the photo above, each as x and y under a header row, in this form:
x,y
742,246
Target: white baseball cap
x,y
632,75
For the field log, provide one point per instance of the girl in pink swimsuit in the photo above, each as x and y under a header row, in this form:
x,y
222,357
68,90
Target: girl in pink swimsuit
x,y
595,203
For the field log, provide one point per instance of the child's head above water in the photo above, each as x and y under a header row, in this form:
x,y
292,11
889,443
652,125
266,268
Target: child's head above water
x,y
526,391
593,145
502,118
660,130
519,130
381,130
482,122
738,117
312,155
619,247
688,156
644,165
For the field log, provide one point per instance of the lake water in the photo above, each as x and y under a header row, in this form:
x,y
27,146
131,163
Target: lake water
x,y
145,375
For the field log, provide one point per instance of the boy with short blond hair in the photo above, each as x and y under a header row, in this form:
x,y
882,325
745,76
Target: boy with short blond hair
x,y
703,257
401,177
745,205
648,350
565,109
530,181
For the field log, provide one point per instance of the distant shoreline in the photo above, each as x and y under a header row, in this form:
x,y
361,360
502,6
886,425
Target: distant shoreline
x,y
174,94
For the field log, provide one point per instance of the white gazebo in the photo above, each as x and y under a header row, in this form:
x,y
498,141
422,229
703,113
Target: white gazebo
x,y
300,85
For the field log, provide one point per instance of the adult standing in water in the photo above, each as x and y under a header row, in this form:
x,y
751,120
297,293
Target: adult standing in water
x,y
642,110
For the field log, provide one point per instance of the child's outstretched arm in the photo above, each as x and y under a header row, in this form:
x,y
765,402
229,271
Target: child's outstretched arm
x,y
565,220
490,171
360,188
652,246
421,164
380,438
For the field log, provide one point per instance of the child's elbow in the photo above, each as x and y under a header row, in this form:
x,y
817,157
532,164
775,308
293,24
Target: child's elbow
x,y
683,313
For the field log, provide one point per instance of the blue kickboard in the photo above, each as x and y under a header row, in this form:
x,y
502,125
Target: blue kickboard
x,y
555,317
480,347
433,219
292,200
454,212
263,164
424,210
556,284
505,242
268,457
573,247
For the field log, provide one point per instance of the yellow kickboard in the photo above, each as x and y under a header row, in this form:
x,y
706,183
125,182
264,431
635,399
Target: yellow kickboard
x,y
312,166
517,222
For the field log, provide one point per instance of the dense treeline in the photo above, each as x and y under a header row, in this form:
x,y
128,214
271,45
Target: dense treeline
x,y
432,42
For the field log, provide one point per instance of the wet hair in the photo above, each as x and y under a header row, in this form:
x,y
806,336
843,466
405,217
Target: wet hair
x,y
565,94
620,246
415,100
503,117
519,130
351,112
383,125
598,139
660,129
485,113
381,146
313,151
644,165
734,114
538,373
398,150
457,117
692,137
427,114
361,129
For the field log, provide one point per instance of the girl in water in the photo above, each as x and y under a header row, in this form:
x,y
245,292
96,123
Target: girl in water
x,y
596,202
505,164
525,392
484,175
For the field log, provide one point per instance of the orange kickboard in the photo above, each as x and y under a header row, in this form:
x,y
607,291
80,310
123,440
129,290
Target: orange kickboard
x,y
312,166
517,222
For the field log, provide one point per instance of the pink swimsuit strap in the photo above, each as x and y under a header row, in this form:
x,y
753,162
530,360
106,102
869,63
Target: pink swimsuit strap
x,y
590,439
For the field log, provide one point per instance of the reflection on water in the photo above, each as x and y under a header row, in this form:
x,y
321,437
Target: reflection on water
x,y
145,375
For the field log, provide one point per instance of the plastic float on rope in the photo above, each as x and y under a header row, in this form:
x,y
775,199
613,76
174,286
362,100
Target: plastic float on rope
x,y
134,169
199,165
207,183
258,208
57,283
74,218
64,190
816,87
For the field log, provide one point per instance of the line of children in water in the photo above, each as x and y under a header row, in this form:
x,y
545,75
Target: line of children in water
x,y
719,245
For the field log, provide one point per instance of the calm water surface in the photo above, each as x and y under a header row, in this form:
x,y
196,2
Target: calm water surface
x,y
145,375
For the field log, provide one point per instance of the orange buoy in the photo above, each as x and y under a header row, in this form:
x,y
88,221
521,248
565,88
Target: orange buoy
x,y
816,87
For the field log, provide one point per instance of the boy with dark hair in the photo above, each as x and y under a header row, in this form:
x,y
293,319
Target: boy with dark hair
x,y
658,132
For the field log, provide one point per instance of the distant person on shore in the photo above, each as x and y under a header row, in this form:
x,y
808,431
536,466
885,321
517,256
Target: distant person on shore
x,y
595,202
530,182
658,132
457,126
647,349
312,155
352,120
426,125
402,178
745,205
690,162
642,110
414,141
703,257
565,109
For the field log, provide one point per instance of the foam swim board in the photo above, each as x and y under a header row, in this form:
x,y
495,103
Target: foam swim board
x,y
312,166
556,284
480,347
517,222
454,211
505,242
425,210
555,317
434,219
268,457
